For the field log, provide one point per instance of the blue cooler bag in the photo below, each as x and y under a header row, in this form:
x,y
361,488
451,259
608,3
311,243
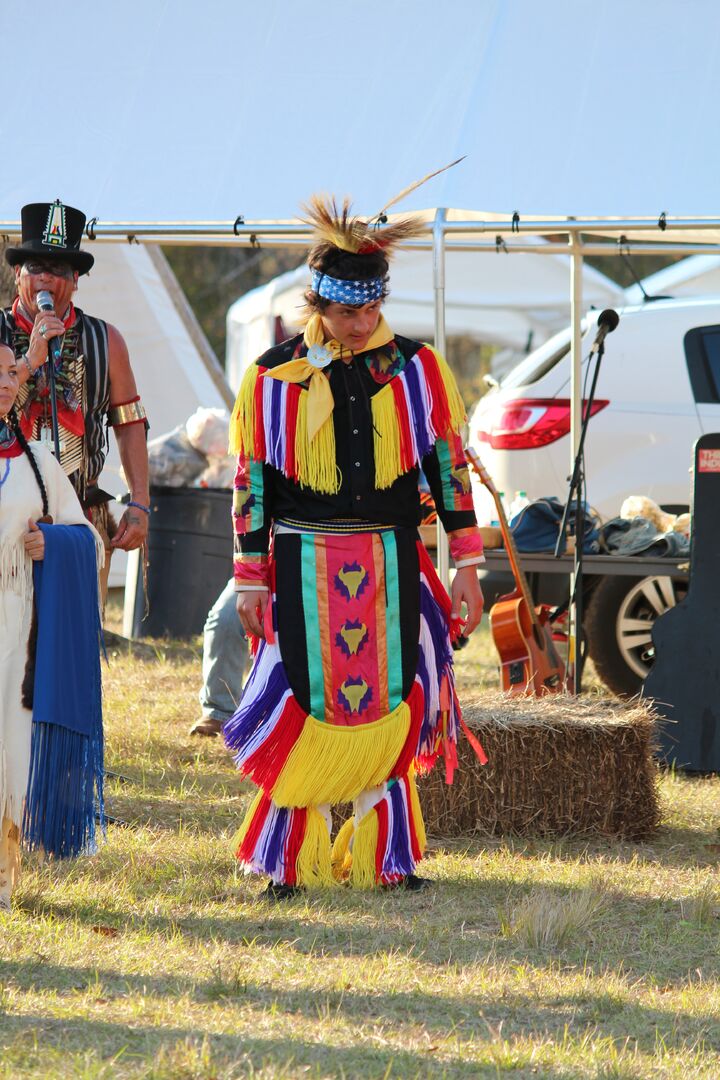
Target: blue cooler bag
x,y
537,526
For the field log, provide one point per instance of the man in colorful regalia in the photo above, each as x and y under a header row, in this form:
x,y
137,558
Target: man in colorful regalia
x,y
351,691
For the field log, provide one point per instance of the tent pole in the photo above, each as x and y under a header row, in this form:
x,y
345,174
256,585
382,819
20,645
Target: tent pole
x,y
443,550
576,314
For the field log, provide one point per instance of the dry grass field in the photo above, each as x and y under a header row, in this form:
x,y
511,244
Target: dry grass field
x,y
527,958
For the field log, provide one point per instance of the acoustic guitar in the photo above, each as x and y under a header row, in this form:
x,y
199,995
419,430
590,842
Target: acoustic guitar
x,y
529,661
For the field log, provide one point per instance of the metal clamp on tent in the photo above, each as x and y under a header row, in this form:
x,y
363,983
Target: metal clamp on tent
x,y
662,221
90,228
239,220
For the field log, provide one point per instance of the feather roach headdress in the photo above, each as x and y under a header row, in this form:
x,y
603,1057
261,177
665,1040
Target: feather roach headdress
x,y
337,229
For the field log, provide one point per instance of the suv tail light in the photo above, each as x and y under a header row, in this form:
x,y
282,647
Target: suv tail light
x,y
526,423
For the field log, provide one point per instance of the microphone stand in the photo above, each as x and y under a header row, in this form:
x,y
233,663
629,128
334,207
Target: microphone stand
x,y
577,482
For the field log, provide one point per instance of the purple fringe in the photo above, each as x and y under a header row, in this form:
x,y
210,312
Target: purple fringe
x,y
255,710
424,436
398,859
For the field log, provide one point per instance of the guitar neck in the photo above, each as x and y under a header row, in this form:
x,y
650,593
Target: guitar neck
x,y
518,572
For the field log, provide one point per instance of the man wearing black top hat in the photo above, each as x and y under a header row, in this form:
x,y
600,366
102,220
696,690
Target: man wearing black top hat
x,y
95,385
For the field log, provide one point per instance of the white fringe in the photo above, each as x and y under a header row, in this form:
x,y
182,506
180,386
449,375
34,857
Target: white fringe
x,y
15,572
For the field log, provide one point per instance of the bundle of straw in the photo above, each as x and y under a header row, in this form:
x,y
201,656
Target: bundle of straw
x,y
558,766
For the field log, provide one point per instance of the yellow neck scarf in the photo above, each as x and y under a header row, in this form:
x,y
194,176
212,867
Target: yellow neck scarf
x,y
321,353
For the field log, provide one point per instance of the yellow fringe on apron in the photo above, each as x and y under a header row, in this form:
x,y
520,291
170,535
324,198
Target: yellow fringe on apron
x,y
332,763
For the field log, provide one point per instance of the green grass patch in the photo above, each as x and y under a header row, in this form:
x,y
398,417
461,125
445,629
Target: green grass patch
x,y
157,959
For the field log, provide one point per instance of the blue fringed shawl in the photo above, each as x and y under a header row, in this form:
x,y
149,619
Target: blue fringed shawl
x,y
65,784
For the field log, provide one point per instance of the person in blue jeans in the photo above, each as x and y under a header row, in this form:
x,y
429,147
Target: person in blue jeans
x,y
225,662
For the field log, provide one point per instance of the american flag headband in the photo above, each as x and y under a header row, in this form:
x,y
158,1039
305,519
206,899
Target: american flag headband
x,y
340,291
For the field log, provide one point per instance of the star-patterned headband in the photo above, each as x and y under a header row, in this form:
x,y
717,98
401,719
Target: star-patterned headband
x,y
354,293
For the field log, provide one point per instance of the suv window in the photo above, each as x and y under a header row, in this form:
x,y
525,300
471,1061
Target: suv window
x,y
702,352
539,362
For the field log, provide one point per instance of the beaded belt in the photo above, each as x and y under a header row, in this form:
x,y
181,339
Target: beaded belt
x,y
341,526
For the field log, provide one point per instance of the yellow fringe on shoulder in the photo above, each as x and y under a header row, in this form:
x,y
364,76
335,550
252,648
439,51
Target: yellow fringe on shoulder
x,y
313,862
333,763
242,422
362,871
417,811
341,859
315,458
386,438
242,831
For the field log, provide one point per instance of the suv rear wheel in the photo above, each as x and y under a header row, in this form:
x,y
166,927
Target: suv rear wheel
x,y
618,624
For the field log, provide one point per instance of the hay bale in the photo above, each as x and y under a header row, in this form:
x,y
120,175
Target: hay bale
x,y
557,766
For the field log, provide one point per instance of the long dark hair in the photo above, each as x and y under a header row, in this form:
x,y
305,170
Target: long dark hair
x,y
15,425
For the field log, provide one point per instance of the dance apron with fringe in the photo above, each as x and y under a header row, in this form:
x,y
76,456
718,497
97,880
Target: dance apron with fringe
x,y
351,694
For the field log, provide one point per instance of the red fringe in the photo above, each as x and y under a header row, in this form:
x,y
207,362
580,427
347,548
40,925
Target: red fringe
x,y
416,702
247,849
266,763
293,401
382,815
440,415
436,587
406,447
294,843
259,449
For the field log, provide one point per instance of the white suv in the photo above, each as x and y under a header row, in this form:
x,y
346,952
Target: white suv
x,y
657,392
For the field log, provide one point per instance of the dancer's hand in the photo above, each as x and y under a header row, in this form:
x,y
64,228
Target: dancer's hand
x,y
251,609
466,589
34,542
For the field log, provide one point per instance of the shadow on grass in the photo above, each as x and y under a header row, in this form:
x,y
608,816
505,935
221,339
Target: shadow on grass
x,y
450,924
472,1018
238,1055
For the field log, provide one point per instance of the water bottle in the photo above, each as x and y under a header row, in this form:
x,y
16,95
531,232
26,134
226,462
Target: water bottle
x,y
519,503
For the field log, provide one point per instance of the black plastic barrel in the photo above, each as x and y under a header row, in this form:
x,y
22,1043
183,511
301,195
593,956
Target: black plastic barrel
x,y
189,560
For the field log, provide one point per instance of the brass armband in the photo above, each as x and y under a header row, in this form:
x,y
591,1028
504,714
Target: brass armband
x,y
129,412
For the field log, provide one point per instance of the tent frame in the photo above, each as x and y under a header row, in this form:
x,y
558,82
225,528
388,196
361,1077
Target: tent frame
x,y
444,233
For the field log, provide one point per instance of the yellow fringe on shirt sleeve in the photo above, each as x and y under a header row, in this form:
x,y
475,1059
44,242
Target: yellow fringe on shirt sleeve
x,y
313,862
333,763
315,459
386,438
242,421
362,871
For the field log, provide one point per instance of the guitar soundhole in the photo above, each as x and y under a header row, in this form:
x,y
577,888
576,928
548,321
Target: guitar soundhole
x,y
516,673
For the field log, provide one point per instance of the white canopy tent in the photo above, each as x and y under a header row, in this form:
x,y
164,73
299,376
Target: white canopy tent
x,y
510,302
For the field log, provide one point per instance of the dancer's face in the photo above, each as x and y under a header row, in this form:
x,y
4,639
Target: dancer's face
x,y
8,379
352,326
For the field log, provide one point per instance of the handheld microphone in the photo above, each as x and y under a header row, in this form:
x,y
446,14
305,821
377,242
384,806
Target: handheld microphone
x,y
607,321
45,303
